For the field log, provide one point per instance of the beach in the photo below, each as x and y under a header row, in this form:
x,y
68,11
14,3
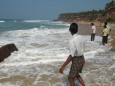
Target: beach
x,y
99,31
42,51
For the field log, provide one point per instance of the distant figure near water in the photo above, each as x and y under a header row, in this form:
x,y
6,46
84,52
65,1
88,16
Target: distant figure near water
x,y
93,31
105,34
6,51
76,56
108,28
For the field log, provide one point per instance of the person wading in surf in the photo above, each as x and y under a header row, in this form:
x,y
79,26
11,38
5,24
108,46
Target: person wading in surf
x,y
76,46
93,31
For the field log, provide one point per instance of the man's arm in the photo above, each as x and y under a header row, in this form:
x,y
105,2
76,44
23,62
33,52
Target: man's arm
x,y
69,59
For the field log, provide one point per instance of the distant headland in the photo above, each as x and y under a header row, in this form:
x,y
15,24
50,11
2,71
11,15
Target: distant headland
x,y
107,14
97,16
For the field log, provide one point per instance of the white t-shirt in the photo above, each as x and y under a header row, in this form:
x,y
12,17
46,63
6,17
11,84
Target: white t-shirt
x,y
93,29
77,45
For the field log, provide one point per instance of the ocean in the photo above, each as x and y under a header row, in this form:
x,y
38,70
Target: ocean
x,y
43,47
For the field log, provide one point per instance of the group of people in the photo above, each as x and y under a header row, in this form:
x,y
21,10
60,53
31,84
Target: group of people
x,y
76,52
105,33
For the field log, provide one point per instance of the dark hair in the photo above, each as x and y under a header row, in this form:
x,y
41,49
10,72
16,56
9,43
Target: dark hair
x,y
92,24
105,23
73,28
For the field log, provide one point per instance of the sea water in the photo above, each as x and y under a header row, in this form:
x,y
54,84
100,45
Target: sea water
x,y
43,47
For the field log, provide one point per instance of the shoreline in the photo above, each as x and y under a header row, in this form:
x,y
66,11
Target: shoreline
x,y
37,62
99,30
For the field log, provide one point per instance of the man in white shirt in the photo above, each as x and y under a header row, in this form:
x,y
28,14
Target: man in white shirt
x,y
93,31
76,56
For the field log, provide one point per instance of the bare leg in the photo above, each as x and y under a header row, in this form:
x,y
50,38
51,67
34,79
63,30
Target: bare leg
x,y
71,81
80,80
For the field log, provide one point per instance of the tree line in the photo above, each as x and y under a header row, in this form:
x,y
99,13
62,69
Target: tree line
x,y
93,14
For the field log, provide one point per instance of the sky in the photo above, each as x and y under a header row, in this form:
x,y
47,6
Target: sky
x,y
46,9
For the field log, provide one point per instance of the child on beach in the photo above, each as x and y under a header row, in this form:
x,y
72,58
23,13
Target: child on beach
x,y
93,30
76,56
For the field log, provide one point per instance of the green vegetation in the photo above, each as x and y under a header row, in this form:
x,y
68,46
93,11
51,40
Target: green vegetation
x,y
109,5
100,15
81,13
92,15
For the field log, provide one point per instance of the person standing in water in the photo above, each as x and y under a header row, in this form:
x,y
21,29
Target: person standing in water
x,y
105,35
76,46
108,29
93,31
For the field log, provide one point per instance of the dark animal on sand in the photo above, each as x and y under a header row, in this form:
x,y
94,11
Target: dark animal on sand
x,y
6,51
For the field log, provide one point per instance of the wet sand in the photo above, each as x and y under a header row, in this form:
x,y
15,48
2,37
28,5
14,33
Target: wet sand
x,y
85,29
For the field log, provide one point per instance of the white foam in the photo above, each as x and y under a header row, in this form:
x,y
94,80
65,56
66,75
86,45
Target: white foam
x,y
42,46
10,84
39,43
36,21
1,21
59,23
32,44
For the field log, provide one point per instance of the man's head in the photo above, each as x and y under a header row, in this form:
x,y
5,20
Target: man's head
x,y
92,24
105,23
73,28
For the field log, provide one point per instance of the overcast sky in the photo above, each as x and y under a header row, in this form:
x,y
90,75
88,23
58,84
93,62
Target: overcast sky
x,y
46,9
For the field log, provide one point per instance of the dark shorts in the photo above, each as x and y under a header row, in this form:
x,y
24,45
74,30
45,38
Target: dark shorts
x,y
77,66
104,40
